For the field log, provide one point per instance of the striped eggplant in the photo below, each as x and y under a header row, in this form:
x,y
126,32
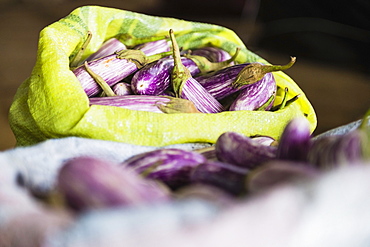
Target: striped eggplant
x,y
330,151
171,166
122,88
90,183
256,95
151,103
222,175
154,47
232,79
155,78
186,87
234,148
295,140
213,54
219,84
109,47
278,172
112,68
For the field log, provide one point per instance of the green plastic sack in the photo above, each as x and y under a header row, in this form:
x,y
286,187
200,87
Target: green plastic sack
x,y
52,104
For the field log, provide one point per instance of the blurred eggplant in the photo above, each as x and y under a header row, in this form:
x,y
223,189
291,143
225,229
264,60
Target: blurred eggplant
x,y
112,69
243,151
225,176
169,165
90,183
257,95
151,103
277,172
186,87
295,140
352,147
122,88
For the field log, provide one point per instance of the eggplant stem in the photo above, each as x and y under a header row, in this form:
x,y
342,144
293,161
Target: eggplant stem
x,y
102,83
76,60
266,104
180,73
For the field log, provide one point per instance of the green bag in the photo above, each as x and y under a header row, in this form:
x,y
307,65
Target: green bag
x,y
52,104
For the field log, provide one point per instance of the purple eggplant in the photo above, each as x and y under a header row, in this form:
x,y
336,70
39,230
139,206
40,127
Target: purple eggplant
x,y
330,151
159,104
243,151
213,54
256,95
109,47
232,79
220,83
154,47
155,78
295,140
222,175
112,69
171,166
90,183
265,140
278,172
186,87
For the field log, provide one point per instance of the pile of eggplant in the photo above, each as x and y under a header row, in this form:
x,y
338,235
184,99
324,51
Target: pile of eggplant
x,y
235,167
158,76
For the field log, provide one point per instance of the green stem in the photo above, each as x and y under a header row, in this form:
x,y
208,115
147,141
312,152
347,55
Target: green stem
x,y
76,60
254,72
102,83
139,58
206,66
266,104
180,73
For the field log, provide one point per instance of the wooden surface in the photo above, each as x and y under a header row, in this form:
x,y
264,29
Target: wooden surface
x,y
339,96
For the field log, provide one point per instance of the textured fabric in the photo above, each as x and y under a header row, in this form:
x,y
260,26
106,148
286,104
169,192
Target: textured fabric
x,y
52,104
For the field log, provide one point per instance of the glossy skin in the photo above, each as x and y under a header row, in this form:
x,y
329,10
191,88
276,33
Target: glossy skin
x,y
255,95
219,84
155,78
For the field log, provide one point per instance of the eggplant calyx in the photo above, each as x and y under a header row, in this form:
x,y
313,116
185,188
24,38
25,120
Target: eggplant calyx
x,y
177,105
206,66
180,73
254,72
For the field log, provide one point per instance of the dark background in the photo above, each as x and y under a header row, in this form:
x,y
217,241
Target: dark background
x,y
329,38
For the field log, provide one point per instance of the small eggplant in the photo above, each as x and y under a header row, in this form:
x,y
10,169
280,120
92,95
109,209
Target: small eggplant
x,y
213,54
155,78
295,140
256,95
109,47
154,47
277,172
170,165
90,183
122,88
112,69
243,151
332,151
159,104
186,87
225,176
